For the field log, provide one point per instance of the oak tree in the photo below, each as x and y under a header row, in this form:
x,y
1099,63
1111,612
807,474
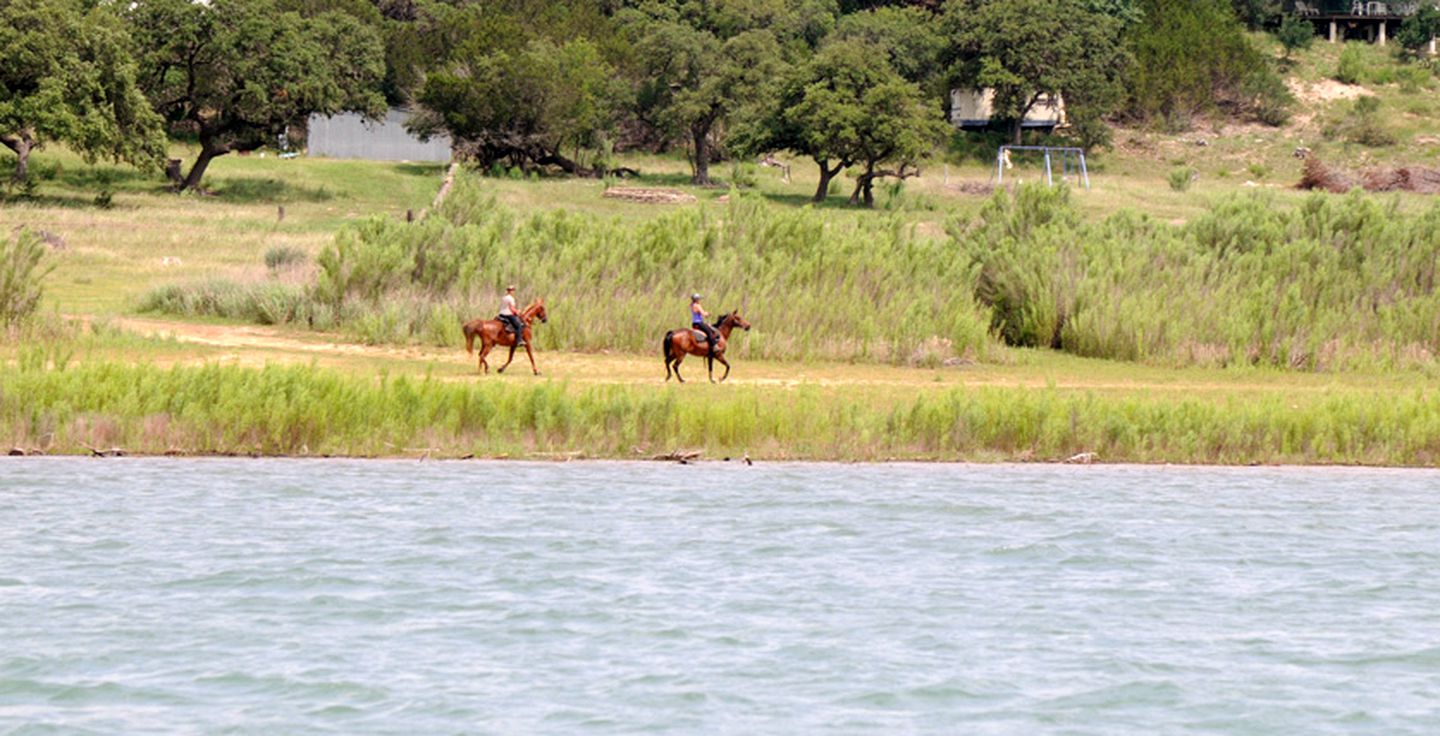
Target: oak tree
x,y
67,74
242,74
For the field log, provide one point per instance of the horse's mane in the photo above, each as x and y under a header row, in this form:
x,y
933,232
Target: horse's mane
x,y
721,322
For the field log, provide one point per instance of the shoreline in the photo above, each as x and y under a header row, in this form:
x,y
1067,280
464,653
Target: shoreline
x,y
225,410
757,462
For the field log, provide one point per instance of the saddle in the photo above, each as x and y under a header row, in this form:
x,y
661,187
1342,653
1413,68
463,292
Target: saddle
x,y
699,337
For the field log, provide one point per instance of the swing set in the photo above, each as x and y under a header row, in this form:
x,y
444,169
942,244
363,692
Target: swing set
x,y
1072,162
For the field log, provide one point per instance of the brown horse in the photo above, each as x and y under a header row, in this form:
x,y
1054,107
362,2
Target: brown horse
x,y
679,343
493,332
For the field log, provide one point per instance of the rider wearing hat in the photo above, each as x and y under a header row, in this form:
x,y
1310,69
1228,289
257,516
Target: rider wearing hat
x,y
697,321
510,315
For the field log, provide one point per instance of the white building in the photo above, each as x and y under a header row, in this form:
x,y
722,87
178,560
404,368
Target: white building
x,y
350,135
976,109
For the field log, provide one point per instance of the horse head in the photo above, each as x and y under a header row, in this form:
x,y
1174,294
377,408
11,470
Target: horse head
x,y
537,311
735,320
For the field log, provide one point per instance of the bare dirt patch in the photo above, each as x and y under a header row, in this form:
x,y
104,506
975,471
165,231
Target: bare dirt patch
x,y
1326,90
649,196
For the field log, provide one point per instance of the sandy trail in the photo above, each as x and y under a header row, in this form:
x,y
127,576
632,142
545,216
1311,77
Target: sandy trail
x,y
258,345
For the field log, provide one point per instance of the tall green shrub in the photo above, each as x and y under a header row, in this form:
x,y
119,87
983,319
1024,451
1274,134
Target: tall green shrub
x,y
1351,69
21,277
1194,56
1295,34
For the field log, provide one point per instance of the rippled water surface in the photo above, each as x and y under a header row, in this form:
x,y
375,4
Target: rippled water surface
x,y
277,597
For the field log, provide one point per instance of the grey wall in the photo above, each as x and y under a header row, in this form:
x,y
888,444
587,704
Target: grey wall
x,y
349,135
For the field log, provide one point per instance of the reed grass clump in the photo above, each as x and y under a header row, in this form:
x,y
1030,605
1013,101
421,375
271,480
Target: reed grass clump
x,y
858,289
22,276
58,406
1336,283
283,256
1339,282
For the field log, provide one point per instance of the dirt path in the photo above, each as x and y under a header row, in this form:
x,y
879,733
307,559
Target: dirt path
x,y
247,337
257,345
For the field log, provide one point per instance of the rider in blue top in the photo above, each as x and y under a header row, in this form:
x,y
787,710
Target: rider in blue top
x,y
697,321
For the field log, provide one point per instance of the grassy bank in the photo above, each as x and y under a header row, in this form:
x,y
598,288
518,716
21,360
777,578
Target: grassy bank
x,y
1336,283
49,402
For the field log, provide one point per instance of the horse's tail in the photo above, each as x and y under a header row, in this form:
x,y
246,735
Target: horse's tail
x,y
667,347
469,337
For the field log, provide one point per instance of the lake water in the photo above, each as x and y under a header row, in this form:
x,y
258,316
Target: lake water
x,y
286,596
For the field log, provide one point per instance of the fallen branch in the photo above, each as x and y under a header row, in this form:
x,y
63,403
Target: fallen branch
x,y
444,192
678,456
96,452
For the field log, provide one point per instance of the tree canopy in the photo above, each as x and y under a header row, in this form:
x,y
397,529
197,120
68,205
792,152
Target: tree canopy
x,y
697,62
1194,56
1419,29
240,74
560,84
545,104
67,74
848,107
1027,49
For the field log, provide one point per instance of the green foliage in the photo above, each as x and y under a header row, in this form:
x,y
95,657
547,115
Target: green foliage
x,y
1256,14
283,256
907,35
696,64
845,107
1295,34
67,74
1248,283
544,104
1352,68
299,410
1193,58
1266,96
265,303
855,109
1022,49
1181,177
744,175
807,282
1362,123
21,277
241,74
1417,31
1414,79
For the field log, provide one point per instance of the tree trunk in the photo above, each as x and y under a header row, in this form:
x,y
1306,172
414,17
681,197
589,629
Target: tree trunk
x,y
208,151
700,134
863,191
21,144
569,166
1016,130
826,174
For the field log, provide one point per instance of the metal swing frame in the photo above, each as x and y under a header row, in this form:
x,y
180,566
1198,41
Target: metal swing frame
x,y
1083,173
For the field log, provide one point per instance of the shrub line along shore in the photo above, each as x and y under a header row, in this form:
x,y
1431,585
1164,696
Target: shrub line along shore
x,y
215,409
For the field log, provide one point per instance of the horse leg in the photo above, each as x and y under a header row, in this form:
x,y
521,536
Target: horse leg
x,y
510,360
725,363
484,351
532,358
710,367
679,358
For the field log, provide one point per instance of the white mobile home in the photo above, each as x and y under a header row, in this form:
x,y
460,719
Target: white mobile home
x,y
976,109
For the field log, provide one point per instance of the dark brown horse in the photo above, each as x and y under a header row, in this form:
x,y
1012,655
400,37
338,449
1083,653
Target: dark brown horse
x,y
679,343
493,332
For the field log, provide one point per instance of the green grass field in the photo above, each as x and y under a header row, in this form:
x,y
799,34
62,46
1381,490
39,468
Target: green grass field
x,y
213,385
